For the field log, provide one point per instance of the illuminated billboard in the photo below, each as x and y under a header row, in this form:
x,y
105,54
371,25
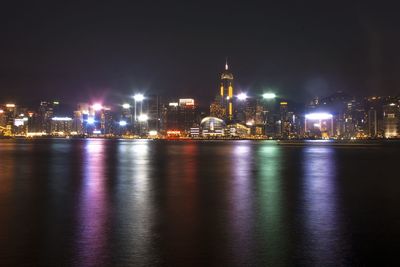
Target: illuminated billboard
x,y
186,102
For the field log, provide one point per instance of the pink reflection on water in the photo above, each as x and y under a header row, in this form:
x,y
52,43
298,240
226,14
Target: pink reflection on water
x,y
242,202
93,206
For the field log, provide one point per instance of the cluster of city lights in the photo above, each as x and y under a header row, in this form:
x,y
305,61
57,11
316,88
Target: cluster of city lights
x,y
138,98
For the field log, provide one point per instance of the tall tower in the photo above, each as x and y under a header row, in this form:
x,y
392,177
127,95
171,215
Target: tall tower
x,y
226,92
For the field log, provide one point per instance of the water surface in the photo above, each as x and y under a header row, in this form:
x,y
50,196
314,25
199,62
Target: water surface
x,y
101,202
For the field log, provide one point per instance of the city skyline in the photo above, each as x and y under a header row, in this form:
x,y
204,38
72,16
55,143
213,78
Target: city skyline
x,y
231,115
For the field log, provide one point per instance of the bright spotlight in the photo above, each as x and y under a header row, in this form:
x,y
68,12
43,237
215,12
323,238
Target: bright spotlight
x,y
153,133
318,116
138,97
269,95
143,117
90,120
97,107
242,96
126,106
122,123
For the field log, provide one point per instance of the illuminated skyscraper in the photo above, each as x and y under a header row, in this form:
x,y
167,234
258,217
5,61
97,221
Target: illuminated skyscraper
x,y
154,112
226,92
8,114
318,125
391,120
284,125
372,123
181,116
46,112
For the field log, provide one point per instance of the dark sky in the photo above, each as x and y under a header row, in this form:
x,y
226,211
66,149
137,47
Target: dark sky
x,y
80,51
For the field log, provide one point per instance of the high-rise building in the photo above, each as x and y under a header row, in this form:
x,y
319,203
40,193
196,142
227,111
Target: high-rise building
x,y
2,120
61,125
318,125
188,114
154,112
181,116
81,115
34,125
46,112
217,110
226,92
284,121
372,123
9,113
108,127
171,116
391,120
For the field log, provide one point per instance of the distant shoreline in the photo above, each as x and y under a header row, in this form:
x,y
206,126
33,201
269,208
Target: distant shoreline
x,y
302,142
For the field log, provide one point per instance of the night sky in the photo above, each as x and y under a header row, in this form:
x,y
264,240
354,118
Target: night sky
x,y
81,51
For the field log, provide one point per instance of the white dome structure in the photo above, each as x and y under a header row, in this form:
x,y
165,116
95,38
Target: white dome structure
x,y
212,126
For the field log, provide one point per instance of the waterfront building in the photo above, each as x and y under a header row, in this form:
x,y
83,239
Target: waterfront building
x,y
125,120
284,129
2,119
154,112
7,115
238,130
109,124
171,116
182,115
188,114
33,123
47,110
250,106
195,132
391,120
212,127
20,125
372,123
319,125
77,122
61,126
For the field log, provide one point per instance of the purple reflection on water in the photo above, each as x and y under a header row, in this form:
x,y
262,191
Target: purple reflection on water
x,y
321,209
93,206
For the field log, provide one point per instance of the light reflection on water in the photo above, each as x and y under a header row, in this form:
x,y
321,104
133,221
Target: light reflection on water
x,y
271,228
93,207
321,206
241,202
133,203
144,203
